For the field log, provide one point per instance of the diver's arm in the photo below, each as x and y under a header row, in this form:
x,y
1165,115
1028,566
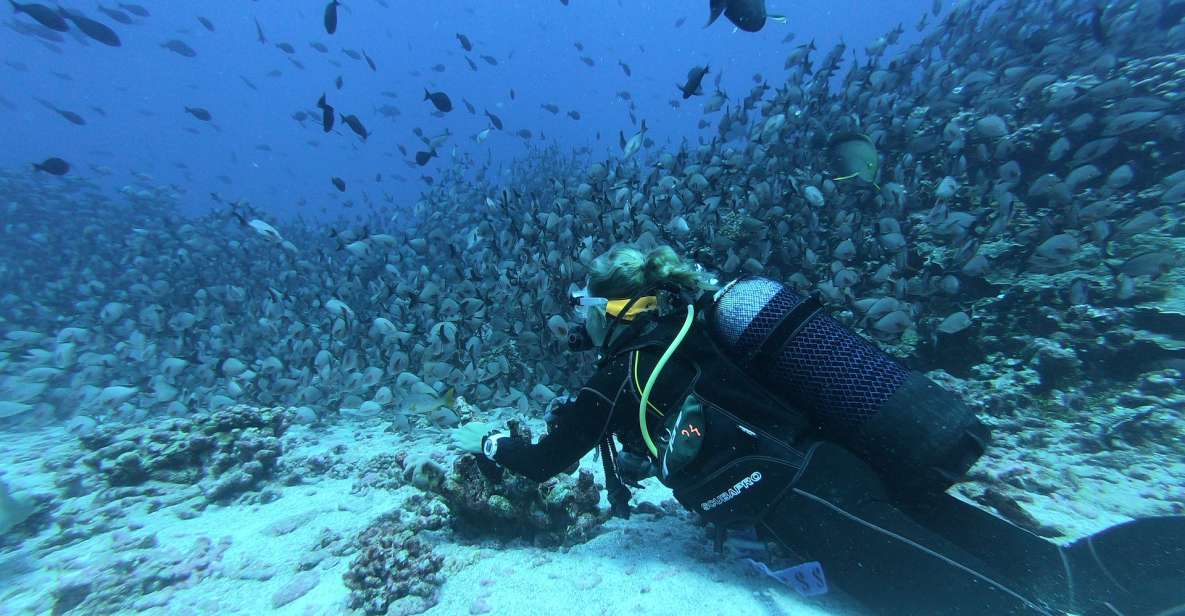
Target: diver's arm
x,y
577,428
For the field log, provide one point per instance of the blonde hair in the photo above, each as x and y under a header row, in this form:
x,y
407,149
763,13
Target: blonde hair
x,y
626,271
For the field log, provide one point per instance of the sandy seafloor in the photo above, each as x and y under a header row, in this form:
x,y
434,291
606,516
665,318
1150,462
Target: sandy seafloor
x,y
648,565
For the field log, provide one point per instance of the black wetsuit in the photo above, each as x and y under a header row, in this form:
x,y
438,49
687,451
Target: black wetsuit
x,y
763,465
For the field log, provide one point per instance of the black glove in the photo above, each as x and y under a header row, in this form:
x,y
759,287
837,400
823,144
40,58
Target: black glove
x,y
489,468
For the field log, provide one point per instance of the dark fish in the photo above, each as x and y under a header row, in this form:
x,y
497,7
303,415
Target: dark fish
x,y
331,16
39,31
369,62
550,107
511,93
469,107
625,67
198,113
53,166
472,65
440,100
579,46
1152,264
1171,13
338,82
259,33
326,114
136,9
93,29
465,42
209,25
355,125
179,47
495,120
1097,29
41,14
492,61
439,68
116,14
695,78
748,15
319,47
339,183
524,133
575,115
70,116
286,47
679,22
854,156
422,157
352,54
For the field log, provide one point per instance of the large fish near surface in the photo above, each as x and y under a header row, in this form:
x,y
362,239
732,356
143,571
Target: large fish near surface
x,y
748,15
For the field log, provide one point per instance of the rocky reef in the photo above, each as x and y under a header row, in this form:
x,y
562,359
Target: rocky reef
x,y
484,501
396,571
228,453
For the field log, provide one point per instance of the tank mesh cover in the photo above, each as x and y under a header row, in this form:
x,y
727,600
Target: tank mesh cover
x,y
837,376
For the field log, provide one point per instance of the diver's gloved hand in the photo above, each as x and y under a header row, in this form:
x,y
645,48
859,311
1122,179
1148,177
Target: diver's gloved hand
x,y
555,404
468,437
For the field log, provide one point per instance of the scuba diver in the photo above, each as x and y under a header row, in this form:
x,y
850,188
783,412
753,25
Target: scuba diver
x,y
759,410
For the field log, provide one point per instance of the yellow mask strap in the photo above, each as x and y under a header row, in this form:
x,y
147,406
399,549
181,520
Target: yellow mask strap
x,y
644,304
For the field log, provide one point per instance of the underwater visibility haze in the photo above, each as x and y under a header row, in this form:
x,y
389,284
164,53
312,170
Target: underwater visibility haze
x,y
601,307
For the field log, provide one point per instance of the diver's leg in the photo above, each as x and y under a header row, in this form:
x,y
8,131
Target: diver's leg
x,y
839,514
1014,552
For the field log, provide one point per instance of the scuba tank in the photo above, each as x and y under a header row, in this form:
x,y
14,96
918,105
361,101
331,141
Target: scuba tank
x,y
917,434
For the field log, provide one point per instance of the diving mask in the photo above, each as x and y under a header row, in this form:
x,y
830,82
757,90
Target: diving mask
x,y
598,313
587,306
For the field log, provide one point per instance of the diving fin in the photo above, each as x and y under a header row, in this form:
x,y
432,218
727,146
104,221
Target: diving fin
x,y
1136,568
